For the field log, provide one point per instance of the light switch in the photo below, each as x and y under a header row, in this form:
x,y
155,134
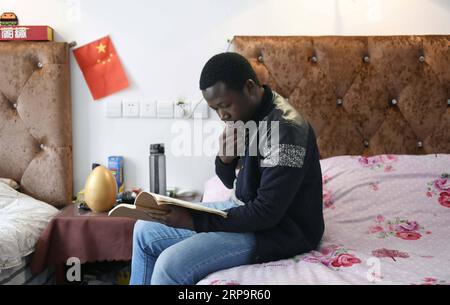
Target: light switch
x,y
113,109
164,109
148,109
130,108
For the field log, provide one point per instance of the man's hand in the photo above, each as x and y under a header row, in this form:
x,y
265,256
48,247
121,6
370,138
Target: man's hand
x,y
229,139
176,217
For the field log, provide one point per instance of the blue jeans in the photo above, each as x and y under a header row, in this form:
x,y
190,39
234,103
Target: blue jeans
x,y
164,255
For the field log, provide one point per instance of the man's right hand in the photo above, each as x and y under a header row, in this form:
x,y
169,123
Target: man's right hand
x,y
229,138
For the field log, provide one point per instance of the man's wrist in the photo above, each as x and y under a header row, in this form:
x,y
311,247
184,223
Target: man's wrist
x,y
226,160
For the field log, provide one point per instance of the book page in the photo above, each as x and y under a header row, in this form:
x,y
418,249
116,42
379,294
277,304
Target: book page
x,y
169,200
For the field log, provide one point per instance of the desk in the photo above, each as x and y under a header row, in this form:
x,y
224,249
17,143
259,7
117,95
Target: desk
x,y
88,236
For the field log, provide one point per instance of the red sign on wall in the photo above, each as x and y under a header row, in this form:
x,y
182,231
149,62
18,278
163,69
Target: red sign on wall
x,y
30,32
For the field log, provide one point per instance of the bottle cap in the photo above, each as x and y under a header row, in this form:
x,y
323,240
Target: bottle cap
x,y
157,149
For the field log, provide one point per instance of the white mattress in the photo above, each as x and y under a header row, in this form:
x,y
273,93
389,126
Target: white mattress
x,y
387,222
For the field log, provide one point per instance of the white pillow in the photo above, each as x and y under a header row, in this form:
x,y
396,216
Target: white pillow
x,y
22,219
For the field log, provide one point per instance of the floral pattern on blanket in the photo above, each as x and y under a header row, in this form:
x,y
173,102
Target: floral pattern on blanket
x,y
432,281
383,162
401,228
331,256
440,188
386,222
381,253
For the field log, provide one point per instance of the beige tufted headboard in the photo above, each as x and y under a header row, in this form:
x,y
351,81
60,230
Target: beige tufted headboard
x,y
362,95
35,119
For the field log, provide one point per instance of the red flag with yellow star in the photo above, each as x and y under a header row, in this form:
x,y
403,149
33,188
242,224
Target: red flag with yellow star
x,y
101,67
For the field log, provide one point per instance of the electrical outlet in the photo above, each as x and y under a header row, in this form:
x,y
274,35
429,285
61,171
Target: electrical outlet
x,y
148,109
130,108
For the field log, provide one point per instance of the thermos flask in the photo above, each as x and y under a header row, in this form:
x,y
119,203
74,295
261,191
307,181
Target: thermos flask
x,y
157,161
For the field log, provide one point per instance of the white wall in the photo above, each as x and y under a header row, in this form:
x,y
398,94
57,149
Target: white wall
x,y
163,45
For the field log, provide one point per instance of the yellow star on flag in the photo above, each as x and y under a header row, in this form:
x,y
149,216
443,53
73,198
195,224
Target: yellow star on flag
x,y
101,48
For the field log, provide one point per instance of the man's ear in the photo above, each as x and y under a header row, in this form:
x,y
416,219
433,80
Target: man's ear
x,y
251,87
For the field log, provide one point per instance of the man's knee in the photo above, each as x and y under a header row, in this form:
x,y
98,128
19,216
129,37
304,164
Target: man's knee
x,y
171,269
144,232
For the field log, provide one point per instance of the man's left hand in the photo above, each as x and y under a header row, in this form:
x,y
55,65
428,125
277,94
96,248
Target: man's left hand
x,y
177,217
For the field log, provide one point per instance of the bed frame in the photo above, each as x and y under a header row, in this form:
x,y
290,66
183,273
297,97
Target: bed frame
x,y
362,95
35,119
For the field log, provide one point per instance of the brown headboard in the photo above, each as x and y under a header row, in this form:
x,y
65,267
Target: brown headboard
x,y
362,95
35,119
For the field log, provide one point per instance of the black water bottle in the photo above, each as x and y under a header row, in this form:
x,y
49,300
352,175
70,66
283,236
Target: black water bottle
x,y
157,162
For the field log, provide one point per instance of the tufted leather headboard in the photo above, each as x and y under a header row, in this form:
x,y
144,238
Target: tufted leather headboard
x,y
362,95
35,119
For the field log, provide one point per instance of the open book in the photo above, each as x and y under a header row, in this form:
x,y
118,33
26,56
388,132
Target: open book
x,y
147,203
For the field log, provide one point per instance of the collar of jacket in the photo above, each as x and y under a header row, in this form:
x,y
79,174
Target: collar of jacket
x,y
266,105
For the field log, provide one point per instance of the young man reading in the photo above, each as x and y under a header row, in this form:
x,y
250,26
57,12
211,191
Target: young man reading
x,y
276,208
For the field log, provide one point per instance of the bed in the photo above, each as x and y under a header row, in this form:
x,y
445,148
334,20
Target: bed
x,y
35,150
380,107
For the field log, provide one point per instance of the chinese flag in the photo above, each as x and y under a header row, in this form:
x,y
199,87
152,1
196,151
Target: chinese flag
x,y
101,67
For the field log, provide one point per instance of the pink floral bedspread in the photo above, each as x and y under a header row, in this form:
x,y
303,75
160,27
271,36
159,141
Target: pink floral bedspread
x,y
387,222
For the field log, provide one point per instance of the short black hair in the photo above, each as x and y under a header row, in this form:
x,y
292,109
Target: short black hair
x,y
230,68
